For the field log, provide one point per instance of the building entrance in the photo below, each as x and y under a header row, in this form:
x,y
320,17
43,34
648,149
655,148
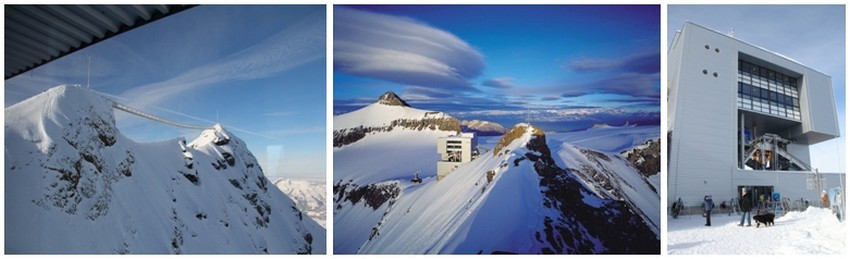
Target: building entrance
x,y
760,196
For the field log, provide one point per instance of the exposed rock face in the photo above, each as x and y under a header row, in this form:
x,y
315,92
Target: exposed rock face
x,y
390,98
516,132
646,157
374,195
347,136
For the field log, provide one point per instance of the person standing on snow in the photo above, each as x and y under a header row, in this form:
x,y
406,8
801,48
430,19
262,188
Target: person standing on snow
x,y
746,206
707,206
824,199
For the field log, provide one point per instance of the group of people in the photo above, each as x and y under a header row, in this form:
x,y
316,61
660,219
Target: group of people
x,y
745,203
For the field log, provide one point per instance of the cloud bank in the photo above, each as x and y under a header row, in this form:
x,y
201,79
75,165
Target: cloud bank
x,y
402,50
635,75
500,82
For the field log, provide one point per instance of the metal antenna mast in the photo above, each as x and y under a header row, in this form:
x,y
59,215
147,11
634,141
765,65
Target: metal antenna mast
x,y
88,76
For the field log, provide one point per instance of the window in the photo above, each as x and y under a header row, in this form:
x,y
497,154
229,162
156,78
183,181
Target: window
x,y
764,90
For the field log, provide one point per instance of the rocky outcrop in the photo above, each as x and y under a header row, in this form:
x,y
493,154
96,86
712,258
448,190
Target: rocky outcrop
x,y
646,157
390,98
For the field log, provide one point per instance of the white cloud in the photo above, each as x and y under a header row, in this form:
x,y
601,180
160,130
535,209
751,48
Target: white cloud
x,y
296,45
402,50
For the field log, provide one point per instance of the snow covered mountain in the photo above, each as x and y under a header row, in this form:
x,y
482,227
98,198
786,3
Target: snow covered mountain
x,y
516,198
309,197
387,114
483,128
75,184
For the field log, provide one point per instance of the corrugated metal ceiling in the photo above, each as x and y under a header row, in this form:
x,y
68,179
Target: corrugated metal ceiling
x,y
38,34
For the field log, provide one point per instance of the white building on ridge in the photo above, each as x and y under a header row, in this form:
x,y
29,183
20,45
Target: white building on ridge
x,y
454,151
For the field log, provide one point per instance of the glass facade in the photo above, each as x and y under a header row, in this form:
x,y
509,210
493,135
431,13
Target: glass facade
x,y
767,91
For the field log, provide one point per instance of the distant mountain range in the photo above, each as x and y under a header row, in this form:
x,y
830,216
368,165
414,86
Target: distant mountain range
x,y
309,197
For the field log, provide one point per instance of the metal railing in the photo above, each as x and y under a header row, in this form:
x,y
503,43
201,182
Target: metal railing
x,y
152,117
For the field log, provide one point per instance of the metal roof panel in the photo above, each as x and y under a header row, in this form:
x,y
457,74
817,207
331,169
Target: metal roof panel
x,y
38,34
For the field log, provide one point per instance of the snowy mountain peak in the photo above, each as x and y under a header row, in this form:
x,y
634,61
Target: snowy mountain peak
x,y
483,128
82,187
216,136
388,114
60,108
390,98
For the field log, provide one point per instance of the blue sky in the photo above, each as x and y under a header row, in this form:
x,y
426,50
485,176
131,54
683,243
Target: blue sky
x,y
477,61
258,70
812,35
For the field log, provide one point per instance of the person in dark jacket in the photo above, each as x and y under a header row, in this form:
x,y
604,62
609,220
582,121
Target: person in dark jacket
x,y
707,206
746,206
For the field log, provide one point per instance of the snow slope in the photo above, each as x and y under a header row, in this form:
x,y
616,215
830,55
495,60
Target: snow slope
x,y
815,231
74,184
387,156
309,197
594,155
609,139
528,205
436,217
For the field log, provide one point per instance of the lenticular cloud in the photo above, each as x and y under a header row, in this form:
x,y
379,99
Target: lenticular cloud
x,y
402,50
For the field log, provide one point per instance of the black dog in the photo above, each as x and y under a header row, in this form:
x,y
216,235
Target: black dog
x,y
766,219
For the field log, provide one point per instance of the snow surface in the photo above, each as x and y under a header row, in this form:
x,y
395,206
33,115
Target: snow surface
x,y
309,196
377,115
810,232
609,139
387,156
74,184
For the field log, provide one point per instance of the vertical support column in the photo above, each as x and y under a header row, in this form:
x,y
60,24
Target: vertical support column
x,y
775,156
742,159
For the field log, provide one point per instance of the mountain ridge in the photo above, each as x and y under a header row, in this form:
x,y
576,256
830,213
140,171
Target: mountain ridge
x,y
82,187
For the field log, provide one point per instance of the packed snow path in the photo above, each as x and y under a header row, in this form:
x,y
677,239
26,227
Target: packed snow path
x,y
814,231
152,117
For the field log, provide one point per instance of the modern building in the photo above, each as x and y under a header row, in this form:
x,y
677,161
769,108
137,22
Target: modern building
x,y
454,151
741,116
